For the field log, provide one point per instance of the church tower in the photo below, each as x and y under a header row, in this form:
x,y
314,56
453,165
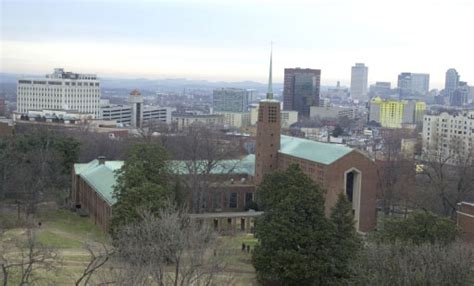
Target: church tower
x,y
268,133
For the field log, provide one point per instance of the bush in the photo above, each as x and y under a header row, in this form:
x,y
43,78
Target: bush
x,y
410,264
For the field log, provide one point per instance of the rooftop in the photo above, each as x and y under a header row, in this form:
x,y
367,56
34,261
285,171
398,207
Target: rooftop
x,y
102,178
324,153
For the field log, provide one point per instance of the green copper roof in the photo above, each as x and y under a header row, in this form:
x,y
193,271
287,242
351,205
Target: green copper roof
x,y
102,177
324,153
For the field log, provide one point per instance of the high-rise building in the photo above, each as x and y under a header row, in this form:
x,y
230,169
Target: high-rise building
x,y
449,137
413,84
380,88
60,90
359,77
451,83
396,113
301,89
460,96
230,100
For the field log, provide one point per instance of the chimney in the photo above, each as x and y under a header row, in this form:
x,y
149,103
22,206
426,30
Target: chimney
x,y
101,160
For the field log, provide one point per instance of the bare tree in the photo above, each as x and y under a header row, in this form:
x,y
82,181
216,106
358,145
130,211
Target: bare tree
x,y
168,249
396,175
98,258
203,151
31,257
446,178
407,264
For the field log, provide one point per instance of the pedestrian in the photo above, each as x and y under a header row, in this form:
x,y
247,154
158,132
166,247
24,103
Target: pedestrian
x,y
248,248
243,247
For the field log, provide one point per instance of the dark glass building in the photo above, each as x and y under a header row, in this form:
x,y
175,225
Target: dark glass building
x,y
301,90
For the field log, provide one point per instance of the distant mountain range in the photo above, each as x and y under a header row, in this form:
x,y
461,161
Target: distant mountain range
x,y
149,84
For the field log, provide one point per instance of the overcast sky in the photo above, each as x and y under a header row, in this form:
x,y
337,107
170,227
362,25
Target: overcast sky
x,y
229,40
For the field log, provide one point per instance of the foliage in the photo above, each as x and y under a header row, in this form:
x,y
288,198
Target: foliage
x,y
295,238
418,228
346,240
36,166
408,264
338,131
143,182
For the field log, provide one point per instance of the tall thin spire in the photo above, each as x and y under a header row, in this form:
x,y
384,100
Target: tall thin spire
x,y
270,88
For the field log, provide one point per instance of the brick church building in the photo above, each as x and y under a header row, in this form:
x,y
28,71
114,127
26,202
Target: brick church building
x,y
337,168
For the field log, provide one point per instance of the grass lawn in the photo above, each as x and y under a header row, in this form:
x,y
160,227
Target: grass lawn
x,y
67,232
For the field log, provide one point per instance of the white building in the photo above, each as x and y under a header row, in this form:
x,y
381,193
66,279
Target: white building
x,y
359,77
449,137
60,91
288,117
136,114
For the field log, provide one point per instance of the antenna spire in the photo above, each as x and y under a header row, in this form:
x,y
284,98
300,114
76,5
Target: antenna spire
x,y
270,88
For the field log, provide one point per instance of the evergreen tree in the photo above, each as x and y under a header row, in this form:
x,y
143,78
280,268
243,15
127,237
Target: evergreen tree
x,y
419,228
346,240
143,183
295,237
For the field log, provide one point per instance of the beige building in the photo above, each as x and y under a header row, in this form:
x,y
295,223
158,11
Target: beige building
x,y
447,136
288,117
236,119
332,112
185,120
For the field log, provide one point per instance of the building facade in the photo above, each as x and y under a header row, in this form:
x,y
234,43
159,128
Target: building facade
x,y
359,77
451,82
396,113
301,89
460,96
288,117
61,91
184,120
332,112
413,84
230,100
236,119
465,219
449,137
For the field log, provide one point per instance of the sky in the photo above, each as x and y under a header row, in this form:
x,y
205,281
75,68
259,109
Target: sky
x,y
230,40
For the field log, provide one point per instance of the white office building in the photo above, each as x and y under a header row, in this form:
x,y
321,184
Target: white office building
x,y
60,91
136,114
449,137
359,77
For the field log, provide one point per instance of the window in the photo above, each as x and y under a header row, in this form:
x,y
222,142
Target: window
x,y
233,200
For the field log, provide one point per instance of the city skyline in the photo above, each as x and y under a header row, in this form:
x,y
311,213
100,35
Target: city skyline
x,y
219,41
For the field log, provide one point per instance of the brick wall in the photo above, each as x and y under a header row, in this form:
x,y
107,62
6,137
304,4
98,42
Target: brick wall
x,y
331,178
466,220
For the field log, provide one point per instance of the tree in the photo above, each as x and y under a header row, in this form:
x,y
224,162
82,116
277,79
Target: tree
x,y
338,131
408,264
295,237
202,150
166,248
32,257
418,228
143,182
346,240
446,178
